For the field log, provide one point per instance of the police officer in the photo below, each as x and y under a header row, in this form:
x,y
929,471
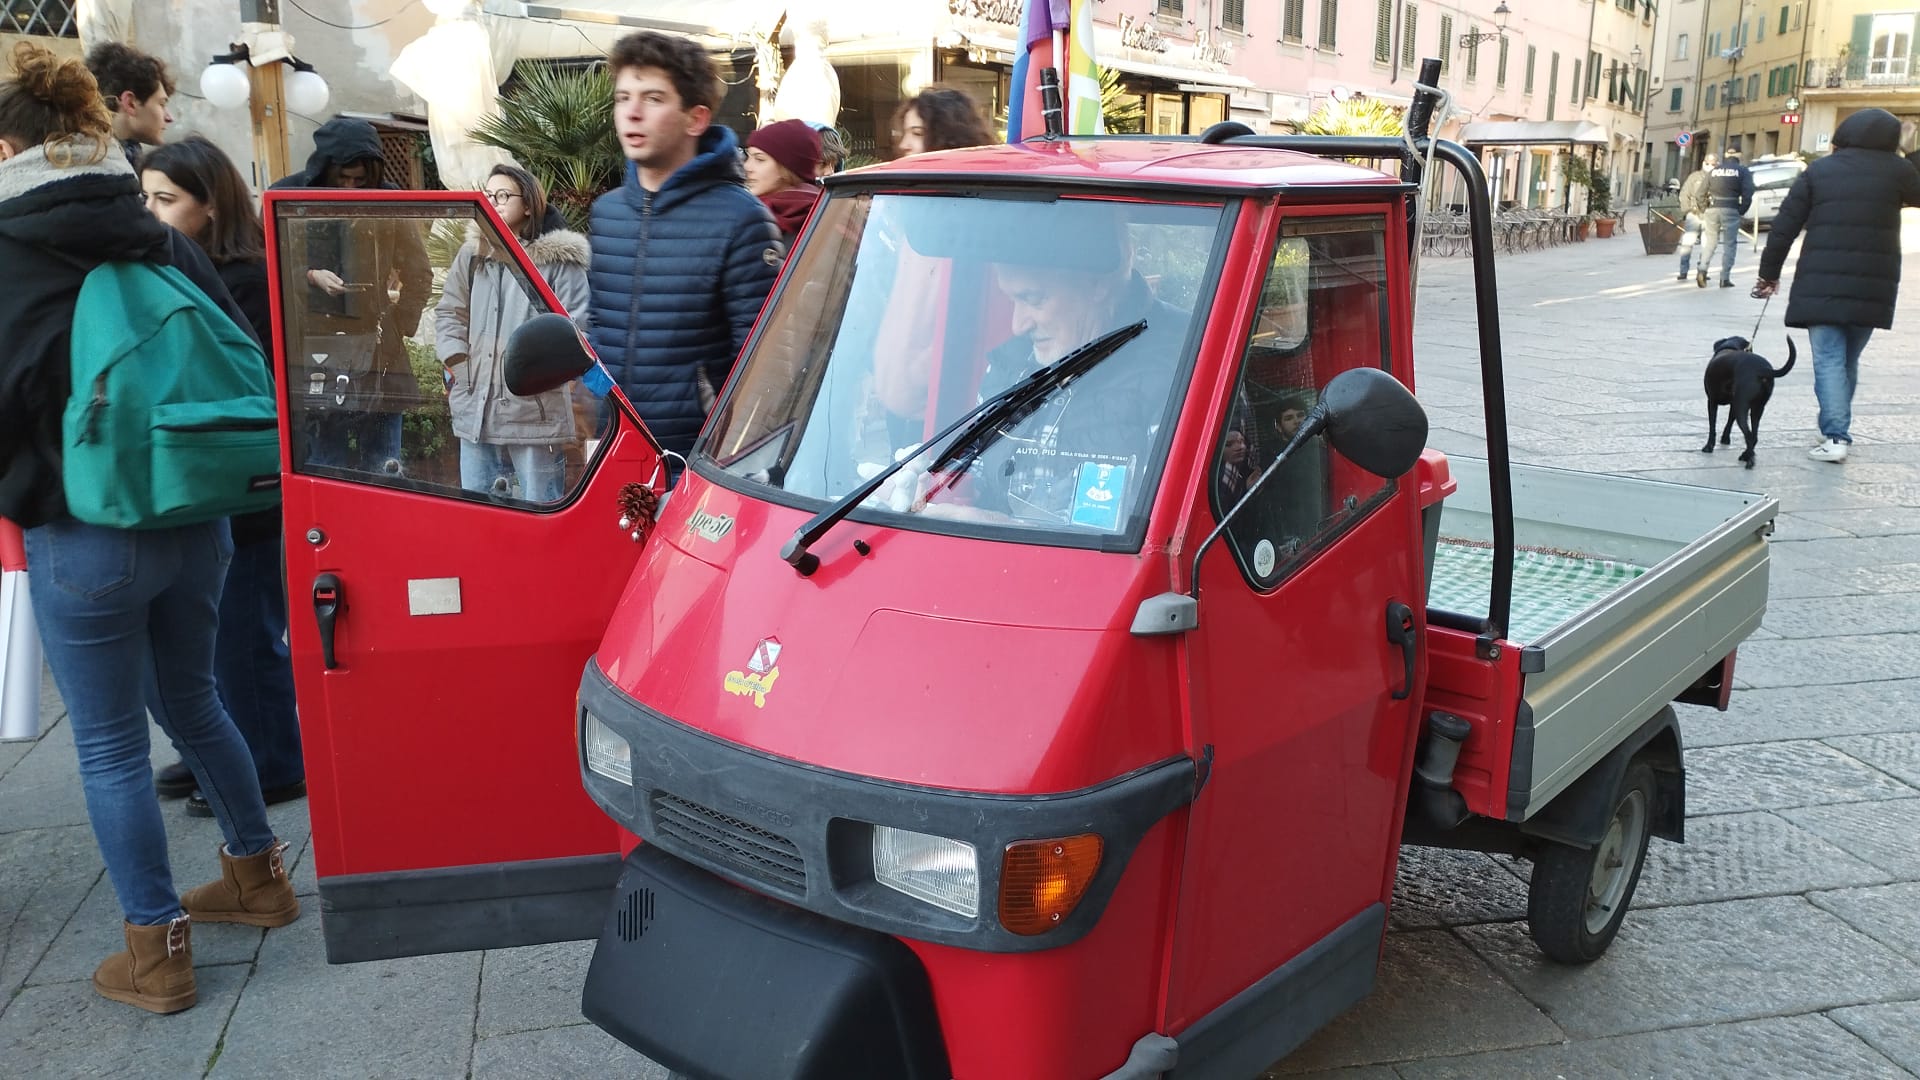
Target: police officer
x,y
1729,194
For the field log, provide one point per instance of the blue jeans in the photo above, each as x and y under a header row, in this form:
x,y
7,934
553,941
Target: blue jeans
x,y
251,665
366,442
127,618
1723,226
542,469
1836,371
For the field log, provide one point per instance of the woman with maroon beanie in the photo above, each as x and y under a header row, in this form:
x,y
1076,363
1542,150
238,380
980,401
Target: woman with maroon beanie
x,y
781,159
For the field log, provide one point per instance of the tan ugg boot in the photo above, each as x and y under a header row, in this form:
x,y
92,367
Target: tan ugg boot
x,y
156,971
252,890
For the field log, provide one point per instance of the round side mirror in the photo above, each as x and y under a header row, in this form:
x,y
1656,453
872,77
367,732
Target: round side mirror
x,y
546,352
1374,422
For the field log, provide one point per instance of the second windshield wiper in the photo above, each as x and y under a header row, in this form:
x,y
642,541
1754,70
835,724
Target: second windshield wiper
x,y
994,410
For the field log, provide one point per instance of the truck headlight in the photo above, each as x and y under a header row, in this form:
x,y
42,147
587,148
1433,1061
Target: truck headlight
x,y
934,869
607,753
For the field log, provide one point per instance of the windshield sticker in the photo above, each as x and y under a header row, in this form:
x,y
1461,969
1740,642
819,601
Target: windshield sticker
x,y
762,670
1263,558
1101,490
709,527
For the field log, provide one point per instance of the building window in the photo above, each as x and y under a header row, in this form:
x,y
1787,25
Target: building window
x,y
1640,91
1293,29
1233,15
1760,28
1753,87
1711,87
1578,86
1175,8
1680,47
1382,31
1528,86
1446,45
1593,75
1500,73
39,18
1410,38
1713,43
1553,82
1329,22
1473,54
1673,100
1890,45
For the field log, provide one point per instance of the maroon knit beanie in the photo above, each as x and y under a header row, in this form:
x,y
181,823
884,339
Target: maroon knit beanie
x,y
791,143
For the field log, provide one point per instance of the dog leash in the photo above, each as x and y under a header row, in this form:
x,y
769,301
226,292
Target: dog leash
x,y
1755,336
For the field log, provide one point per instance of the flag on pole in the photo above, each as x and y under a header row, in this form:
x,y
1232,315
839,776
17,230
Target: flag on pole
x,y
19,642
1041,29
1082,75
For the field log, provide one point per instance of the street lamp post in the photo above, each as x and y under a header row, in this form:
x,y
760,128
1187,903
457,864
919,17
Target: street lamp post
x,y
264,85
1473,39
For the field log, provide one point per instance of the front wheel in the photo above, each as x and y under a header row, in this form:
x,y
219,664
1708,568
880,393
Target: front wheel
x,y
1579,896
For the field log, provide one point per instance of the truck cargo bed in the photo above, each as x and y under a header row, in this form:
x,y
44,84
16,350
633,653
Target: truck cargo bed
x,y
1626,591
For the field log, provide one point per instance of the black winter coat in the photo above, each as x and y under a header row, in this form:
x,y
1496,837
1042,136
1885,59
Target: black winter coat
x,y
678,278
1849,204
56,225
246,281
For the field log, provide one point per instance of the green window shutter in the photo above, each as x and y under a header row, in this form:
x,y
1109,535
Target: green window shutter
x,y
1862,42
1410,39
1446,44
1783,18
1530,59
1553,82
1382,31
1673,100
1577,84
1329,22
1500,74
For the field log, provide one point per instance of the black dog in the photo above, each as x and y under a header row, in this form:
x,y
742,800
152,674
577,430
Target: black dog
x,y
1742,379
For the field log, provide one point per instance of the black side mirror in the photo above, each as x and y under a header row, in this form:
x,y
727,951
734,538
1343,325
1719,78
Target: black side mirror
x,y
1374,422
545,353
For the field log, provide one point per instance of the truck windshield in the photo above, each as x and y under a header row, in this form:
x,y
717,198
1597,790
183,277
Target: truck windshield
x,y
906,311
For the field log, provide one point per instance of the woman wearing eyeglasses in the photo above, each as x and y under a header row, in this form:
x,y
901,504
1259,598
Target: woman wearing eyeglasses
x,y
503,435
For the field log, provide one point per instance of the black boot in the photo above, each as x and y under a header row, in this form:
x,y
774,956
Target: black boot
x,y
175,781
197,805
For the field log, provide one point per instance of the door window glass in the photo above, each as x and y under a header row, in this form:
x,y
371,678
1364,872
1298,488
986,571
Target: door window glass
x,y
1323,310
396,318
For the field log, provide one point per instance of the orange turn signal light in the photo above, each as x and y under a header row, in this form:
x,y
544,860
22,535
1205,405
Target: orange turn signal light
x,y
1042,881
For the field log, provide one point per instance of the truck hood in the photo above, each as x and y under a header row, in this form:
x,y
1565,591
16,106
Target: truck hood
x,y
934,660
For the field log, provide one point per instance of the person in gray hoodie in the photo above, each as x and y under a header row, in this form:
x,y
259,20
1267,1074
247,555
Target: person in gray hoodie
x,y
484,300
1844,286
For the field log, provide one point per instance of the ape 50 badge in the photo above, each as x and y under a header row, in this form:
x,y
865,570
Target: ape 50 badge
x,y
757,681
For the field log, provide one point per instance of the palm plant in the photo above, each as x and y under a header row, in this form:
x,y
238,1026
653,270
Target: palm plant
x,y
558,123
1355,116
1121,110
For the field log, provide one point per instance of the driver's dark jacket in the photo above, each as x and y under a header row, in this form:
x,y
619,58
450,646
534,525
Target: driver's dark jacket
x,y
1730,185
1112,409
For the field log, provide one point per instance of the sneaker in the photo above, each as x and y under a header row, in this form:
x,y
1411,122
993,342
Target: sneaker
x,y
1832,450
1726,283
1700,279
1682,277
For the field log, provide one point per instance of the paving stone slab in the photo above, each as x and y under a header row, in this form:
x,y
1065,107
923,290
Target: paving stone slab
x,y
1843,551
1782,1048
45,876
1894,1030
560,1054
1895,753
1881,833
1778,775
11,753
305,881
96,931
1804,712
1783,584
1825,661
1704,964
1438,887
43,790
1432,996
1889,914
67,1030
1888,578
301,1018
1833,616
531,988
1730,856
1902,494
1791,527
1870,521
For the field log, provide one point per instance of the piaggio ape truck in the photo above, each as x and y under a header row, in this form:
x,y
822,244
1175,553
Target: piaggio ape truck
x,y
1039,660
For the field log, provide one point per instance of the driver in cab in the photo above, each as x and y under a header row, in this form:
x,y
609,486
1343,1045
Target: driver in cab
x,y
1068,461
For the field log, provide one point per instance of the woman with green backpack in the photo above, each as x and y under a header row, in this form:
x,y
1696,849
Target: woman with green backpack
x,y
127,615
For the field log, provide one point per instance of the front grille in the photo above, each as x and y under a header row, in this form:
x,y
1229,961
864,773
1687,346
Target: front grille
x,y
764,856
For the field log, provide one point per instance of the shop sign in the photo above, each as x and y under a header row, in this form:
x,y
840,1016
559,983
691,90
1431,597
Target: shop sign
x,y
1208,51
1138,33
1006,12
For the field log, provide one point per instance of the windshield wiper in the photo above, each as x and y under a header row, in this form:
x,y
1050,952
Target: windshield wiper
x,y
994,410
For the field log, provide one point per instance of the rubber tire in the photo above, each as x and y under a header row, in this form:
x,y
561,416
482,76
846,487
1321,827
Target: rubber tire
x,y
1557,899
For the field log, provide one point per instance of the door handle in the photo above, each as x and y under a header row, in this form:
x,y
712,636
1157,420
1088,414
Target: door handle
x,y
1401,632
329,600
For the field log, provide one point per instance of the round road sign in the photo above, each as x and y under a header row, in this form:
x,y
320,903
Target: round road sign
x,y
1683,138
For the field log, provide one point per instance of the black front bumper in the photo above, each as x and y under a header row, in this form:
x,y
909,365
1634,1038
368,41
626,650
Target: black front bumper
x,y
718,982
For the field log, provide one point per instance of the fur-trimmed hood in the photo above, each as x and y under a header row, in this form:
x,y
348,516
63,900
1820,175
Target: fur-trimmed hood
x,y
89,211
556,247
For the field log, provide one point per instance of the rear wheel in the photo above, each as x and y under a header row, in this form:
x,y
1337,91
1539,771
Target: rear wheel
x,y
1578,897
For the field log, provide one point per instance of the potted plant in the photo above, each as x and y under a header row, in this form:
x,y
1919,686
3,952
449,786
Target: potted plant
x,y
1579,174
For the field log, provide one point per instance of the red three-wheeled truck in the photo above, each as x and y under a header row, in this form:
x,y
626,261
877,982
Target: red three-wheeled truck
x,y
1037,663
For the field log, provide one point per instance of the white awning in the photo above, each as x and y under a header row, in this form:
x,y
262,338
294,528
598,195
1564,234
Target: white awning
x,y
702,18
1193,80
1533,133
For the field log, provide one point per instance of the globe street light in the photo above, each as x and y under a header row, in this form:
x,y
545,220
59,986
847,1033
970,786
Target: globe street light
x,y
1473,39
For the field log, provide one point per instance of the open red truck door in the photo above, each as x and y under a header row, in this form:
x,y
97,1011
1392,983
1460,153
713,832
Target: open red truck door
x,y
443,596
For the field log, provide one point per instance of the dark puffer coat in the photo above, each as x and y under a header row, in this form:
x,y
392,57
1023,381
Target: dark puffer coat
x,y
1849,205
678,278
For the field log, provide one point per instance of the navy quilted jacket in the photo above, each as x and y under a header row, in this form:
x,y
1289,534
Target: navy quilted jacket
x,y
678,277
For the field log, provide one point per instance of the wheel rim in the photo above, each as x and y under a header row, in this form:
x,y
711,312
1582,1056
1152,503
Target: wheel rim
x,y
1613,861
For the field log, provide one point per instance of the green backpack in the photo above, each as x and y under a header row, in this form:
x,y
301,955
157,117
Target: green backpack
x,y
171,419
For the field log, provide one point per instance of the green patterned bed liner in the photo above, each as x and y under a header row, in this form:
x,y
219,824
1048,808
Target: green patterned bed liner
x,y
1550,585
